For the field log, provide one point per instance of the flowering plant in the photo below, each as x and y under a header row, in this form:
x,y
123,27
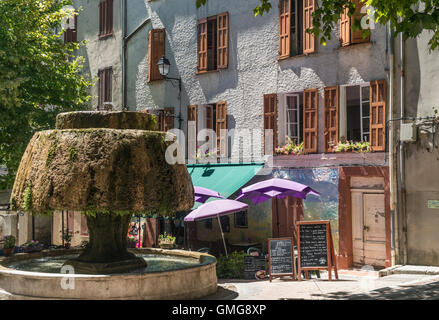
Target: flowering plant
x,y
207,153
31,244
167,238
291,147
345,146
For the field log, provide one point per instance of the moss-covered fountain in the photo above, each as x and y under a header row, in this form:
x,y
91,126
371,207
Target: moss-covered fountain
x,y
108,165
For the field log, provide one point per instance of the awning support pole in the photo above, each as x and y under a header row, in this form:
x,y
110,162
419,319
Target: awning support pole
x,y
222,234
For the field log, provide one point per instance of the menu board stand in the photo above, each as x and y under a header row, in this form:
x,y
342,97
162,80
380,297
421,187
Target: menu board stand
x,y
281,259
315,248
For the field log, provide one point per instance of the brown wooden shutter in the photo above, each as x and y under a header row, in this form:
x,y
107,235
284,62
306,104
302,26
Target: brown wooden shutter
x,y
192,116
357,36
284,28
202,45
101,95
209,117
221,127
378,115
270,117
345,28
84,226
108,85
156,50
223,40
331,118
109,18
308,39
102,6
310,120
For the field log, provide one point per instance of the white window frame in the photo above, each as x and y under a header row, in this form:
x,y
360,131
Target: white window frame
x,y
343,109
297,96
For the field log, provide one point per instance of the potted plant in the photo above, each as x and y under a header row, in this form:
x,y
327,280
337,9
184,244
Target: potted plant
x,y
67,239
132,242
166,241
9,245
32,246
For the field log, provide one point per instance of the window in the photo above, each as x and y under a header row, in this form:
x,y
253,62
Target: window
x,y
241,219
70,35
105,18
156,50
209,116
295,17
365,106
105,88
347,34
165,119
208,224
293,117
225,223
213,43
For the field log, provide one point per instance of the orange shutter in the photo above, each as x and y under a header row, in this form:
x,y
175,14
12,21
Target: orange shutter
x,y
331,118
357,36
308,39
378,115
221,127
202,45
284,28
156,50
223,40
166,119
310,119
270,117
345,28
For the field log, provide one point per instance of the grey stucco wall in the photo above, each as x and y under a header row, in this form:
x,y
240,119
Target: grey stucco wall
x,y
99,53
421,157
254,69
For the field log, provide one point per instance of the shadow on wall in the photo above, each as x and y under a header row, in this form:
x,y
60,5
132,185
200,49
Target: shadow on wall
x,y
412,78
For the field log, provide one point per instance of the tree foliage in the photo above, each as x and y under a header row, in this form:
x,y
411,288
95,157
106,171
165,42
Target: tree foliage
x,y
39,74
408,17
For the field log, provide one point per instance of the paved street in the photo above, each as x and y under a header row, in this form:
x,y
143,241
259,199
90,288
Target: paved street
x,y
349,286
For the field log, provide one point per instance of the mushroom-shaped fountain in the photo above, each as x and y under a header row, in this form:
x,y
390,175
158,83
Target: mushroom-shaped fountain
x,y
108,165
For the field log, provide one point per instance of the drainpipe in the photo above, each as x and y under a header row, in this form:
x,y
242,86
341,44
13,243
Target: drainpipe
x,y
124,49
402,208
392,150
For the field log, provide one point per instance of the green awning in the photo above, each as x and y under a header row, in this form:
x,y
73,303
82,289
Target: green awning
x,y
225,178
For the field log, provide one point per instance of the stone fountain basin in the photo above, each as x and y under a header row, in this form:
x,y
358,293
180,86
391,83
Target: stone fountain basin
x,y
189,283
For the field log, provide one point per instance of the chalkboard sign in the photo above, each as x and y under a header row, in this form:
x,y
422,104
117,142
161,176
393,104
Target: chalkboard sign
x,y
253,264
315,247
281,257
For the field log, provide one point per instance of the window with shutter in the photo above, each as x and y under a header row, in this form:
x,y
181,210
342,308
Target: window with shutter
x,y
221,128
270,120
308,38
156,50
331,118
165,119
291,23
223,40
310,120
70,35
105,18
105,94
347,34
378,115
213,43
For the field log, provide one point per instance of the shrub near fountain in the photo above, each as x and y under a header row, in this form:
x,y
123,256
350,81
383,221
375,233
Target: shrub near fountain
x,y
108,165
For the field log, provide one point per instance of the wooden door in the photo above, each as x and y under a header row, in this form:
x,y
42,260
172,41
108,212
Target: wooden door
x,y
289,211
149,234
368,228
374,229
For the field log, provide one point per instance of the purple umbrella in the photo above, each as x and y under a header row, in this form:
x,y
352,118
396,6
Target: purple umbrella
x,y
275,188
202,194
216,208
